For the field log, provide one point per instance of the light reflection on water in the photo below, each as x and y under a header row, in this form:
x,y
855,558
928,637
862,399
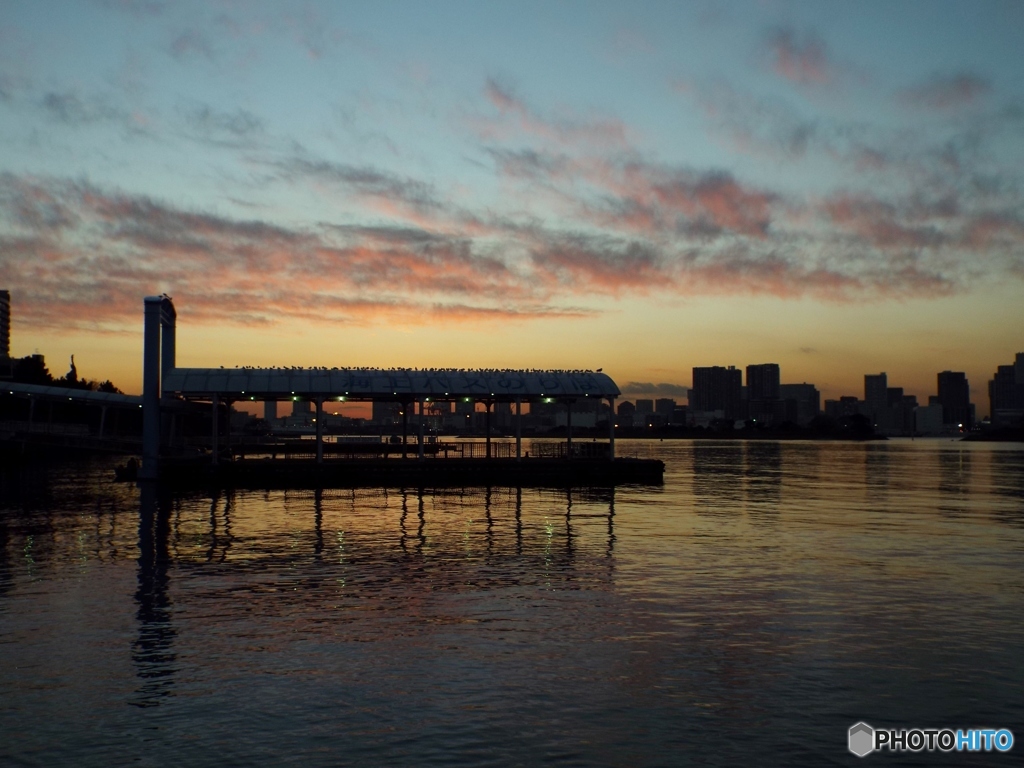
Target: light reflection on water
x,y
765,598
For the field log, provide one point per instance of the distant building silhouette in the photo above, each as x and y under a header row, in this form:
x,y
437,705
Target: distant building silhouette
x,y
847,405
717,389
955,398
1006,394
876,398
800,402
763,393
385,413
664,406
626,414
928,419
763,381
644,406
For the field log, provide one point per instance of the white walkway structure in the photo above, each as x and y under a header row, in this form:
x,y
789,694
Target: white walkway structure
x,y
161,378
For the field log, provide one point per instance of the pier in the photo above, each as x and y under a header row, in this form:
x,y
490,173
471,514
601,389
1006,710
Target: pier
x,y
406,463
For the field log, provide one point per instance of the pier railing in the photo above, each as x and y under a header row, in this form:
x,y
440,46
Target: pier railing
x,y
252,447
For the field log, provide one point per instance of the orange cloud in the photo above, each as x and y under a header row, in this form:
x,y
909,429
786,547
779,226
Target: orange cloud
x,y
80,255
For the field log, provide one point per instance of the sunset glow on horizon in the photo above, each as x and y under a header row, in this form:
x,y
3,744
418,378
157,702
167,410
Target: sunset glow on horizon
x,y
837,188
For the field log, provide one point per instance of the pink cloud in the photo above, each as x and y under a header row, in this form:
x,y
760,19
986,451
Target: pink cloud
x,y
590,267
514,116
719,199
881,224
802,61
657,198
73,250
191,43
993,230
946,93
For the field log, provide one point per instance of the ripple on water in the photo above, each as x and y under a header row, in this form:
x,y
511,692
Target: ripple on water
x,y
765,598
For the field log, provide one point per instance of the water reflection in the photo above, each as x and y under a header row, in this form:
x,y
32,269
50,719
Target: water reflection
x,y
153,649
954,471
6,572
519,522
1006,477
763,478
877,470
318,522
611,526
718,475
441,535
731,476
768,599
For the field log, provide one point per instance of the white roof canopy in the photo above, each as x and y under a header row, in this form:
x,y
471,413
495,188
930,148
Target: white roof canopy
x,y
387,384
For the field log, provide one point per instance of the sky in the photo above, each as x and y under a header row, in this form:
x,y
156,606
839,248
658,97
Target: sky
x,y
639,187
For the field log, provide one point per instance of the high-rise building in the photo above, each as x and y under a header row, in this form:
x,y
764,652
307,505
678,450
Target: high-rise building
x,y
893,396
805,399
763,382
5,324
644,406
955,398
847,405
763,392
665,406
1006,394
386,413
717,389
876,393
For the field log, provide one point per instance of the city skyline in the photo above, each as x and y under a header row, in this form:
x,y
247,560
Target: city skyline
x,y
835,189
756,395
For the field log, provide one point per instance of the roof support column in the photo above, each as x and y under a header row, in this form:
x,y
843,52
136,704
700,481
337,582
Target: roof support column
x,y
568,431
103,420
405,429
227,426
421,431
319,430
611,428
487,426
215,435
151,388
519,428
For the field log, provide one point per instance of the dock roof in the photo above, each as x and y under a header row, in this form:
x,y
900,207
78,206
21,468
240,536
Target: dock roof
x,y
69,393
387,383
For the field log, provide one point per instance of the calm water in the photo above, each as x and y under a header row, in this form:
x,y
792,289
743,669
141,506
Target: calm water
x,y
748,612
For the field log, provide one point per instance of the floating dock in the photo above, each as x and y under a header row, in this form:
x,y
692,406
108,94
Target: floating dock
x,y
413,392
396,473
